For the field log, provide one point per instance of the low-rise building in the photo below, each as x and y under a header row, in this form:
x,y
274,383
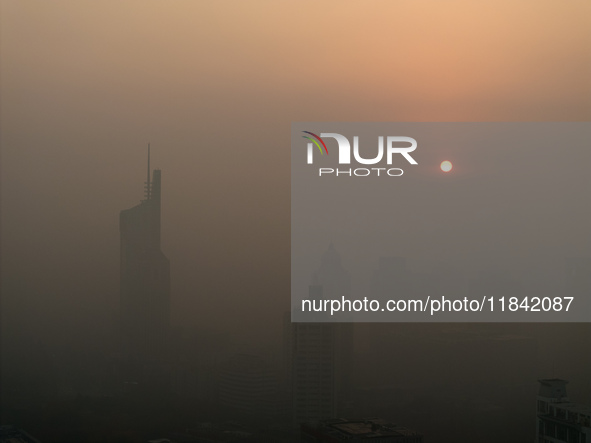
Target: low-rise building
x,y
558,419
374,430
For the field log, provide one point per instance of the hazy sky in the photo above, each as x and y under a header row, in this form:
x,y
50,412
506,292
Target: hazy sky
x,y
214,86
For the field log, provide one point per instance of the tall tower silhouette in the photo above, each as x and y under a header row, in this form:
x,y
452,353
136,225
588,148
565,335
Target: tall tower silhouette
x,y
145,288
336,283
314,382
321,353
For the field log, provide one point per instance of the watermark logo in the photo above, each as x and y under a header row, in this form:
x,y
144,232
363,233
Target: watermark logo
x,y
388,147
316,143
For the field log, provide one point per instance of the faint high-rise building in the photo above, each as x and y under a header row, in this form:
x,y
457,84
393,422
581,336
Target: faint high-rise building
x,y
144,290
336,283
248,384
314,383
320,355
391,280
558,419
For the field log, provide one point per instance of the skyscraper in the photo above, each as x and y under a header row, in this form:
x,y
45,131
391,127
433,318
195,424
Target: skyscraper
x,y
322,353
313,368
336,283
145,288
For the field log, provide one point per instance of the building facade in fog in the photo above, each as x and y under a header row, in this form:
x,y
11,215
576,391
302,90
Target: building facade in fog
x,y
248,384
144,290
336,283
558,419
314,382
357,431
320,355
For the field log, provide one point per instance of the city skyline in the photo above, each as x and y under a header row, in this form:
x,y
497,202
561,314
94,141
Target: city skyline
x,y
177,279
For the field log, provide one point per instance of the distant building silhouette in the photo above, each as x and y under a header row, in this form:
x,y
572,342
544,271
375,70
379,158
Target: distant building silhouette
x,y
559,420
314,382
320,355
145,289
360,430
336,283
391,279
248,384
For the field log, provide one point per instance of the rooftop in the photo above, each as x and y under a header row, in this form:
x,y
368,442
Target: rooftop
x,y
367,428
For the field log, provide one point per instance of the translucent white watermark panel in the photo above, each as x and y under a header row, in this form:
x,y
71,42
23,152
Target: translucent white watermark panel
x,y
441,222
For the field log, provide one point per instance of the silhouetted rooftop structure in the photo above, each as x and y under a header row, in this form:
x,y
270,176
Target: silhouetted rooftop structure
x,y
358,430
560,420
